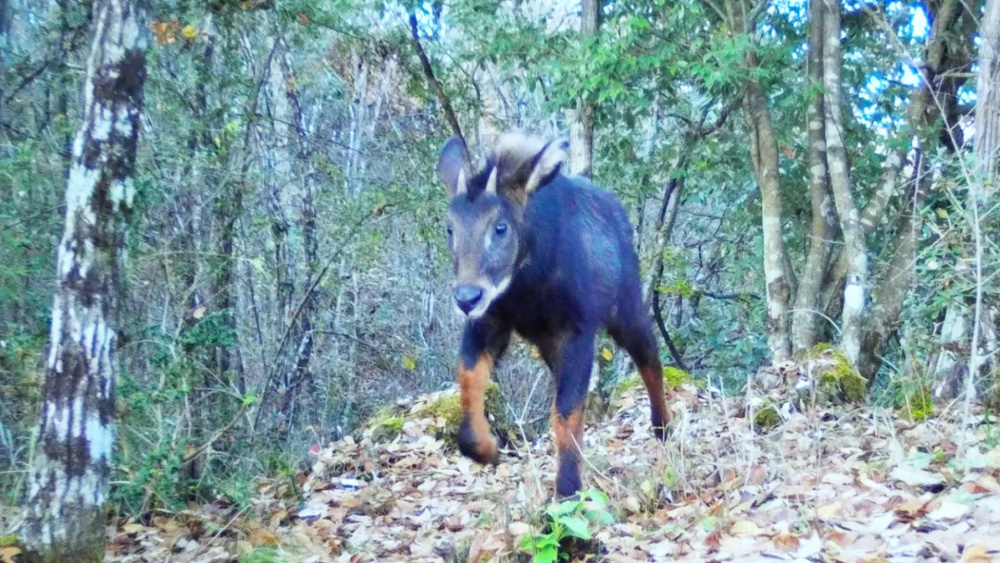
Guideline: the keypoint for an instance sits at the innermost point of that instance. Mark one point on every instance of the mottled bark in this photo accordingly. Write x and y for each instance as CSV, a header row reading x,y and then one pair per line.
x,y
987,142
807,313
581,134
764,160
896,282
853,316
68,478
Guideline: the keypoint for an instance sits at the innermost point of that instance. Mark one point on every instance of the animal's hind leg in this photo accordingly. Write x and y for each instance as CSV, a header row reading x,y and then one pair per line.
x,y
634,332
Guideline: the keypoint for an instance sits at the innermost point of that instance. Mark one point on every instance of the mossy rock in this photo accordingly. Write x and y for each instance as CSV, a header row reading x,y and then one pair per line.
x,y
843,379
385,424
837,379
438,414
766,415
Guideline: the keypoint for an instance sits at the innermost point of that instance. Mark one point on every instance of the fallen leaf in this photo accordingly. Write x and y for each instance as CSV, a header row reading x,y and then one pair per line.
x,y
916,477
949,510
746,528
828,511
976,554
263,536
786,542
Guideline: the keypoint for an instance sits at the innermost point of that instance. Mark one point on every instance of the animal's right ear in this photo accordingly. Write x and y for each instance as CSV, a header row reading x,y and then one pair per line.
x,y
453,166
546,164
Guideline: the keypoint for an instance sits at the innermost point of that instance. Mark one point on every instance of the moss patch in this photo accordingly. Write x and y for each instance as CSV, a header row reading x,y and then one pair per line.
x,y
766,415
919,405
675,377
837,379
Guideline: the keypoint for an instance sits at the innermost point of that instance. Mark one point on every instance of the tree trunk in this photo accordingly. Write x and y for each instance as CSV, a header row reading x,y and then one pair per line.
x,y
806,316
852,320
898,278
987,140
764,159
68,479
581,136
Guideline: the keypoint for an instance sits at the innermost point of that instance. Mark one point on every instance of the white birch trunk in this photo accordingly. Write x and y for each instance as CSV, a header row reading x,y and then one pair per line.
x,y
840,182
69,474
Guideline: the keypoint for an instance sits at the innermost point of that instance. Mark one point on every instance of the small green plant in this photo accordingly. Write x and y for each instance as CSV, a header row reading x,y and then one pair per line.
x,y
675,377
568,519
918,405
262,555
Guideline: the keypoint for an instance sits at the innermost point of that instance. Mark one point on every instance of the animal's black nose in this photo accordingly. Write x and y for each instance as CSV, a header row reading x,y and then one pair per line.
x,y
467,296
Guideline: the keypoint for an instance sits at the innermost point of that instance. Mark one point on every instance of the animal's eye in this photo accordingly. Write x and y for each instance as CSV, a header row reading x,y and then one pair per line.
x,y
501,228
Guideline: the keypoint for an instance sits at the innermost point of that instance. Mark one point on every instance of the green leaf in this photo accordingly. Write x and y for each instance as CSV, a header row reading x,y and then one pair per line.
x,y
547,555
576,526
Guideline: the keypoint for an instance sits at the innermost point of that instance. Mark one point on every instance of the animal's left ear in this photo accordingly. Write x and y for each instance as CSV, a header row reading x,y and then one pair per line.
x,y
453,167
545,165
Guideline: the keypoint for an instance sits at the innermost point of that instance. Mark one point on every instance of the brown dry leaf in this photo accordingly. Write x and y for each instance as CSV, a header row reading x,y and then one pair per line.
x,y
786,542
989,483
713,540
8,553
276,519
840,538
263,536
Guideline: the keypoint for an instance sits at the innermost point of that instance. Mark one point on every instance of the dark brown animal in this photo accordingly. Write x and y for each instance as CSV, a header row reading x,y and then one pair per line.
x,y
551,257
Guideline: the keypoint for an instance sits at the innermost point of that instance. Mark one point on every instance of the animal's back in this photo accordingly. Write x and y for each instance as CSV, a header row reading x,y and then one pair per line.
x,y
581,248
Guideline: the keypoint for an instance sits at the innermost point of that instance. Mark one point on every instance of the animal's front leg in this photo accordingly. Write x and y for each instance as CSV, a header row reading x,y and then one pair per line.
x,y
573,376
481,344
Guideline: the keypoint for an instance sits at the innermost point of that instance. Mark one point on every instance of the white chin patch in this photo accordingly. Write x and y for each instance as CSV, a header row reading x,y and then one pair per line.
x,y
490,294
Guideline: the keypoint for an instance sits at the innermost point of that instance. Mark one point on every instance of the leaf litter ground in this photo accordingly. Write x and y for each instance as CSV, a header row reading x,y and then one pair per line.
x,y
832,484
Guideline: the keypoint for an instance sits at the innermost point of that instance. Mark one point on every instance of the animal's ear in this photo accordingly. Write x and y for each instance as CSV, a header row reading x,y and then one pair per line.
x,y
453,166
546,164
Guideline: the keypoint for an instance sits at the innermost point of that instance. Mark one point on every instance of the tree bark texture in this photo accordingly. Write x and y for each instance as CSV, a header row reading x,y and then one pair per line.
x,y
853,316
987,140
764,160
68,479
898,278
581,145
806,315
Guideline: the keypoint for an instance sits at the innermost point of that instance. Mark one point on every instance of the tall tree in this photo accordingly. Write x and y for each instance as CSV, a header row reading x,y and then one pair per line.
x,y
581,143
840,184
806,315
987,141
69,474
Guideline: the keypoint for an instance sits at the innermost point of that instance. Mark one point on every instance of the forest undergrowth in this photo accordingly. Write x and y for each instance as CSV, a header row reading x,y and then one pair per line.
x,y
821,483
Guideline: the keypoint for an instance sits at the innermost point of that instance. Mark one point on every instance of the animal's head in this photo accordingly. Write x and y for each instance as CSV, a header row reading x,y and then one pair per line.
x,y
486,212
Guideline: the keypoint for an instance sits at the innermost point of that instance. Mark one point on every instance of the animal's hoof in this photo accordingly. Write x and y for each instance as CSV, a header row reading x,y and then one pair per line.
x,y
661,432
481,449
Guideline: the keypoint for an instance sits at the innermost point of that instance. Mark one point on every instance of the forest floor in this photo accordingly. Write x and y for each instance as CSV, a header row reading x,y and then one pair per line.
x,y
833,484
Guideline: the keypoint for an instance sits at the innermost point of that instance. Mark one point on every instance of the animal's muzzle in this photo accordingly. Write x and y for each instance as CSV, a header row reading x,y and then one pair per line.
x,y
467,296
